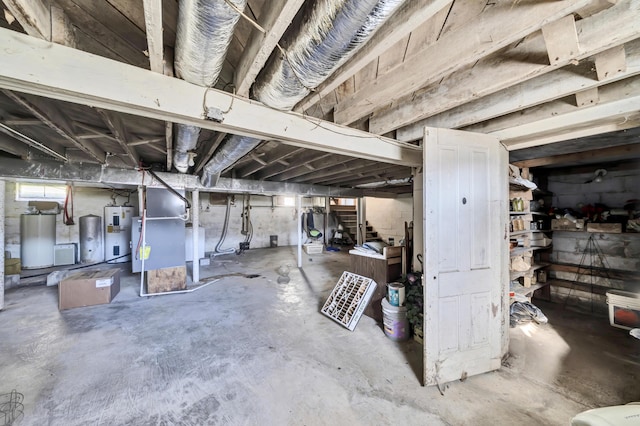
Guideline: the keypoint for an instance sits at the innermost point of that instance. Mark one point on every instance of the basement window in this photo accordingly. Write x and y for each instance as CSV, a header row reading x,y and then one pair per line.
x,y
38,192
284,201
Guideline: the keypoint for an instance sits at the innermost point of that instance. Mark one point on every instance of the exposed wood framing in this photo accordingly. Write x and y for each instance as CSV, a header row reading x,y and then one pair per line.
x,y
492,31
118,130
602,155
511,68
8,144
56,153
33,15
54,119
410,16
274,19
276,155
153,25
137,91
62,32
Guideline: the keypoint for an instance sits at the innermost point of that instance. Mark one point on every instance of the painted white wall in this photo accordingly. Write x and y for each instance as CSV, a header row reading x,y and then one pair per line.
x,y
86,201
267,221
615,189
388,215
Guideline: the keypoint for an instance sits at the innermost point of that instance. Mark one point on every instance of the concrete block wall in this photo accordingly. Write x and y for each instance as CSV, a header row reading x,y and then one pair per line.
x,y
620,252
388,215
615,189
266,221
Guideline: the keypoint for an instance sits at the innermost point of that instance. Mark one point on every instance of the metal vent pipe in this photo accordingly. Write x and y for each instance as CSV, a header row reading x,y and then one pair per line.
x,y
331,31
205,29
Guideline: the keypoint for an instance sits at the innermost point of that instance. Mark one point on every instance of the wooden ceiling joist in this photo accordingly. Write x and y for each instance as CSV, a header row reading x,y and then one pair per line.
x,y
602,155
119,132
33,15
506,69
493,30
275,156
410,16
54,119
548,87
153,25
156,96
274,19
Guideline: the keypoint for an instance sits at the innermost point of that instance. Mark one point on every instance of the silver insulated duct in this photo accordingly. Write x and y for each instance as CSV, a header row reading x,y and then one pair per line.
x,y
204,32
331,31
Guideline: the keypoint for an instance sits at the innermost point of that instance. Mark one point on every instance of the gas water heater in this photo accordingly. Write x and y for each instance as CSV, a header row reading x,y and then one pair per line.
x,y
117,233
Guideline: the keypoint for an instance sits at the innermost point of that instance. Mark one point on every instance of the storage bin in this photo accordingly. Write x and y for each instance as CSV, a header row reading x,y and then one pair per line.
x,y
624,309
313,248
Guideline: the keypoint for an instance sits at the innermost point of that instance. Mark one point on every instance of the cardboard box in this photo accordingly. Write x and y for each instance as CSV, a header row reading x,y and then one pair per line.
x,y
88,288
567,225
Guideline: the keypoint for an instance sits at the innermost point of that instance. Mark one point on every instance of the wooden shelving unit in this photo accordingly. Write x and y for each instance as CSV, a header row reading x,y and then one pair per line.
x,y
521,233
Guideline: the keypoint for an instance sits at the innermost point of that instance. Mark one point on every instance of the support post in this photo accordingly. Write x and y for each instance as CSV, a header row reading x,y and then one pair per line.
x,y
2,187
299,226
195,220
326,220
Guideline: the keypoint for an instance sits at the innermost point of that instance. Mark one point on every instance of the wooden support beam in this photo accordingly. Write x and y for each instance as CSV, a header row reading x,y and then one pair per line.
x,y
561,39
349,166
312,167
33,15
136,91
153,25
54,119
624,90
118,130
505,78
275,19
145,141
409,17
545,88
62,31
502,25
22,122
603,155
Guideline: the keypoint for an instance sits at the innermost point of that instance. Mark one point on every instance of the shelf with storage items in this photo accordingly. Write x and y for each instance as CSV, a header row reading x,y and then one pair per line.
x,y
527,236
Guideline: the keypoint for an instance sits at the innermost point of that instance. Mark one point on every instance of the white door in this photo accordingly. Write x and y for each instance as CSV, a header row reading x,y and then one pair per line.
x,y
466,254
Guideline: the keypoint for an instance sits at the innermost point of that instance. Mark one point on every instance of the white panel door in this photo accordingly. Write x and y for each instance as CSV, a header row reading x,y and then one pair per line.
x,y
465,273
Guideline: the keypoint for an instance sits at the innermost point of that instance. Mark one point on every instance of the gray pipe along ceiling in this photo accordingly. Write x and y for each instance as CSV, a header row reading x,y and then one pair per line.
x,y
329,33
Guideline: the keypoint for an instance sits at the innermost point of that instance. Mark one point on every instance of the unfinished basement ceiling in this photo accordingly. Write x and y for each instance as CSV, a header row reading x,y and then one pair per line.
x,y
534,74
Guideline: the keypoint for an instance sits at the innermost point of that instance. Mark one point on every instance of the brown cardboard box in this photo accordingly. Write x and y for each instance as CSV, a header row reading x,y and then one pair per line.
x,y
88,288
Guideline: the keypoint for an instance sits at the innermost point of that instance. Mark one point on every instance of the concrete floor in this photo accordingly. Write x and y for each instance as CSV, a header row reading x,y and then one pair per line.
x,y
246,351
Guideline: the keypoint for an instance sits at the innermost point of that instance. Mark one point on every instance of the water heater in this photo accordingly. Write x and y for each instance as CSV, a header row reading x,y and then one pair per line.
x,y
117,233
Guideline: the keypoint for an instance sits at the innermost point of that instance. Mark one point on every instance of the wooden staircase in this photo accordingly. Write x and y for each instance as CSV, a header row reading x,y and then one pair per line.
x,y
347,216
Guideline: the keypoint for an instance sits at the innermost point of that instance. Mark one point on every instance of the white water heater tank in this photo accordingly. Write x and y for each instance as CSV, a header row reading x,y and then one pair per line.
x,y
37,238
117,233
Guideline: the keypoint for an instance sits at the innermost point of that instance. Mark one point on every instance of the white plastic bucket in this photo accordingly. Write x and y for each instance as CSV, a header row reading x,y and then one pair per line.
x,y
394,321
624,309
